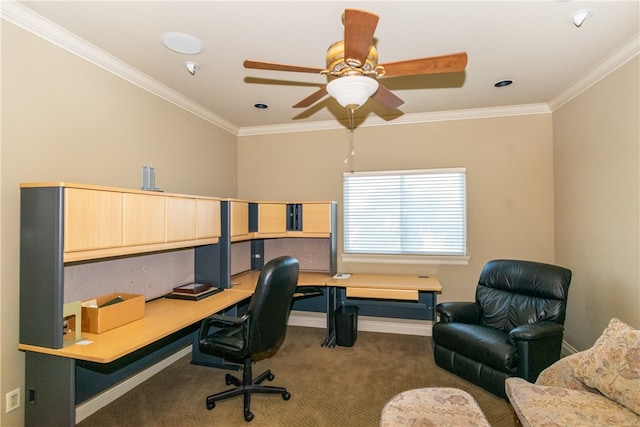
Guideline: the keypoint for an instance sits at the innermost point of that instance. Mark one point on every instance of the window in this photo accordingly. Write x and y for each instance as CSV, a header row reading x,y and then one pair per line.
x,y
415,212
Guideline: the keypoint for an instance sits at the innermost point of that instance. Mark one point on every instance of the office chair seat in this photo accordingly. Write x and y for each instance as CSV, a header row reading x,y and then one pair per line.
x,y
256,335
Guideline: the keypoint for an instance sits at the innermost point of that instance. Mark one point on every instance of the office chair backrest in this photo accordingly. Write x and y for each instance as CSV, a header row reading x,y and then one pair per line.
x,y
270,304
511,293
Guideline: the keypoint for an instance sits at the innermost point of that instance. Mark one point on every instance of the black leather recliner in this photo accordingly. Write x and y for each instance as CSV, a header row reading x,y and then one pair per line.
x,y
514,327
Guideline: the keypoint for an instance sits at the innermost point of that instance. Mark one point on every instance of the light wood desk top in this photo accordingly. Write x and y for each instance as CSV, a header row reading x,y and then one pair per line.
x,y
162,318
384,281
166,316
247,281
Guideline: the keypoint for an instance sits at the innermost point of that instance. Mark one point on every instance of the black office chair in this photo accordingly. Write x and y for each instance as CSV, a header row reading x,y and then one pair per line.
x,y
257,334
514,327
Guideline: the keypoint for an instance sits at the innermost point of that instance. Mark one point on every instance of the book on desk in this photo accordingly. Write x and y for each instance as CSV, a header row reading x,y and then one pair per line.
x,y
194,291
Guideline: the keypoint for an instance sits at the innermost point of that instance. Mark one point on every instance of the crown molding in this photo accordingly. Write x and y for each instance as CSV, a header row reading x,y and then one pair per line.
x,y
611,63
37,25
24,18
435,116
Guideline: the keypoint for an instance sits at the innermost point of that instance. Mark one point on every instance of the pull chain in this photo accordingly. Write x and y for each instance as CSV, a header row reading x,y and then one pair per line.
x,y
352,149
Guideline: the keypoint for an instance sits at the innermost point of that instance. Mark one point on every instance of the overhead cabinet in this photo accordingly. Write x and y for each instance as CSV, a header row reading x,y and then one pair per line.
x,y
310,219
145,217
102,222
272,219
92,219
207,219
251,220
239,220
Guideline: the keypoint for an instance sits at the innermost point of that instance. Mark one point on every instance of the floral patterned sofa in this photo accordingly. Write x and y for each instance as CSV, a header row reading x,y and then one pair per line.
x,y
596,387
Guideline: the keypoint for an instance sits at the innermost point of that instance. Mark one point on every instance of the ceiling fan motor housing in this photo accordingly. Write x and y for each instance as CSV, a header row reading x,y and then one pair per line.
x,y
338,65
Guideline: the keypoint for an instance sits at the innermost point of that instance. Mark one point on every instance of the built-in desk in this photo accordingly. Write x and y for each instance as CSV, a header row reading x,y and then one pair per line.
x,y
53,371
420,290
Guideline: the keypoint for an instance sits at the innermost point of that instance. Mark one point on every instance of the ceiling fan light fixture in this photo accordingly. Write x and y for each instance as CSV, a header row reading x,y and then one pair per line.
x,y
352,91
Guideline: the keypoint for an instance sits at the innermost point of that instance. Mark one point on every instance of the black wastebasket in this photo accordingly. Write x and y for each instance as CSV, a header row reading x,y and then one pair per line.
x,y
346,317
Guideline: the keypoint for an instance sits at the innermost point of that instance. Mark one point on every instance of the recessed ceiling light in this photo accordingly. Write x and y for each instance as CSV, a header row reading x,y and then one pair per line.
x,y
182,43
503,83
261,106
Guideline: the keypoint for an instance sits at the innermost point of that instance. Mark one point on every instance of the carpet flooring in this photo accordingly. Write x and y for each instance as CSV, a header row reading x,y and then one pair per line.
x,y
343,386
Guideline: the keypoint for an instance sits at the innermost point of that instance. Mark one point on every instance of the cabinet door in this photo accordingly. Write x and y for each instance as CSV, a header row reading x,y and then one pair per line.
x,y
181,219
144,219
272,218
208,218
239,218
92,219
316,218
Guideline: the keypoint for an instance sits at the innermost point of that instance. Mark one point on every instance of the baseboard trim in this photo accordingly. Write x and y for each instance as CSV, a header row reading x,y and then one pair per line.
x,y
93,405
567,349
366,323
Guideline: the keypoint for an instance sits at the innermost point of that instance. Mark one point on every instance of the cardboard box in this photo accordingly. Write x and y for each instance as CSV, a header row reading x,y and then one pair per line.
x,y
97,319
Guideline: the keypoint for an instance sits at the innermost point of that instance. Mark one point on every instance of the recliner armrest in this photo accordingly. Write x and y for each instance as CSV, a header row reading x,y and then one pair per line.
x,y
536,331
461,312
539,345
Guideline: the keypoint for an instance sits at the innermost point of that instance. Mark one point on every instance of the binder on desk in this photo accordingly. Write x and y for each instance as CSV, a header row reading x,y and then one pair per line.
x,y
193,288
194,291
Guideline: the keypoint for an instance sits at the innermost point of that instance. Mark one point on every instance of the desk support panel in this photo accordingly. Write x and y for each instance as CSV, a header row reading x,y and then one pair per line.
x,y
49,390
93,378
330,338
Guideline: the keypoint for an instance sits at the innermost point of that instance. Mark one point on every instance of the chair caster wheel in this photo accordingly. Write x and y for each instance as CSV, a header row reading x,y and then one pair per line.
x,y
211,405
248,416
286,395
227,379
270,377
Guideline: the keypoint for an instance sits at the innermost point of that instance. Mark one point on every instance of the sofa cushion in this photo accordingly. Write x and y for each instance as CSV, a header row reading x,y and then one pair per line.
x,y
545,406
612,365
561,374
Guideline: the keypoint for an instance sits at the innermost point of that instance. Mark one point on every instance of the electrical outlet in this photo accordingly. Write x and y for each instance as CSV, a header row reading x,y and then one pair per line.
x,y
13,400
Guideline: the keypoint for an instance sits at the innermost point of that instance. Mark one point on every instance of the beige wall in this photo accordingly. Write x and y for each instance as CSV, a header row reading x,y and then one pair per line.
x,y
509,165
64,119
597,170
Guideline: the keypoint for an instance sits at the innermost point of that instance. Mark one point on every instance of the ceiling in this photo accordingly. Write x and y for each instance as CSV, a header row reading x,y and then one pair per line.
x,y
531,42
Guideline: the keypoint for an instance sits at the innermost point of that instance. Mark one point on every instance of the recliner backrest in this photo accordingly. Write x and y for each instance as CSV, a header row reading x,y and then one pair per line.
x,y
511,293
270,304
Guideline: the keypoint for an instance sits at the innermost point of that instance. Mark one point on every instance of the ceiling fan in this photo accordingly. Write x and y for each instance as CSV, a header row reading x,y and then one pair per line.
x,y
352,65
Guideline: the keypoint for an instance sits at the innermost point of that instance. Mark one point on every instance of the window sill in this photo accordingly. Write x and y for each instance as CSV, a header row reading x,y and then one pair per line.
x,y
405,259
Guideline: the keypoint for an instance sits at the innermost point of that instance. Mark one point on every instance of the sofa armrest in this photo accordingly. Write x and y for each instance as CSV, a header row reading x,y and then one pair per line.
x,y
538,405
461,312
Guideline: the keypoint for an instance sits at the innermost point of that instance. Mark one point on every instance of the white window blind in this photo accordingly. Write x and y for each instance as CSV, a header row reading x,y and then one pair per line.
x,y
418,212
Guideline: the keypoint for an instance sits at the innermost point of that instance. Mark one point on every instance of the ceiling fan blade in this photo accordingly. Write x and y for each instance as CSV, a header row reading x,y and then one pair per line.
x,y
359,27
432,65
386,98
315,96
280,67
